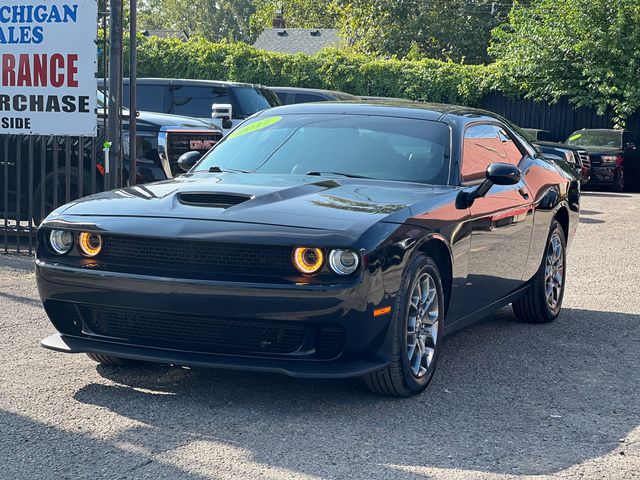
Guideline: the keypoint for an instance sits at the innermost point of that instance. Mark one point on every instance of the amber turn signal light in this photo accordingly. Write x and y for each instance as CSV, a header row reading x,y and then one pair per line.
x,y
90,244
308,260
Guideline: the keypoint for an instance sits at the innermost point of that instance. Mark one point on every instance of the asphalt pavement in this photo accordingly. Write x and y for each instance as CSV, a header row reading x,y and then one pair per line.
x,y
509,401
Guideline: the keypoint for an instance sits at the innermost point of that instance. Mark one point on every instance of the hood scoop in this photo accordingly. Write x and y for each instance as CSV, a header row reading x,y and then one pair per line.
x,y
214,200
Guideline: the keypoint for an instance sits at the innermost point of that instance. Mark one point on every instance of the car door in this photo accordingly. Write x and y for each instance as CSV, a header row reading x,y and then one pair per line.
x,y
631,150
501,222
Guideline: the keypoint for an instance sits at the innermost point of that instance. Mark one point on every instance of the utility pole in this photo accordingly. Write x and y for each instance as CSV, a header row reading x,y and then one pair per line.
x,y
115,94
133,75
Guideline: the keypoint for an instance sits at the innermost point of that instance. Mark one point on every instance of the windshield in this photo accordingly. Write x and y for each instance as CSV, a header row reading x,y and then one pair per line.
x,y
596,138
253,100
376,147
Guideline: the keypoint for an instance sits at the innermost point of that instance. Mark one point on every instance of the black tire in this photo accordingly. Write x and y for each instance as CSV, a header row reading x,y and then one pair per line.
x,y
103,359
534,307
619,182
397,379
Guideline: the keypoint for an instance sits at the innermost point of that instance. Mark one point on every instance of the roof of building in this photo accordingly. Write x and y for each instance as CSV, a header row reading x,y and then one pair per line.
x,y
297,40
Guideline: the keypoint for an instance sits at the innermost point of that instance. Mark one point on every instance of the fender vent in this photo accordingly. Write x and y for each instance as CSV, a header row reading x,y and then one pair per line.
x,y
215,200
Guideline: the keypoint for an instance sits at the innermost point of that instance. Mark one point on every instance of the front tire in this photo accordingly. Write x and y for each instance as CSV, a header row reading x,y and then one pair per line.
x,y
619,181
415,328
543,300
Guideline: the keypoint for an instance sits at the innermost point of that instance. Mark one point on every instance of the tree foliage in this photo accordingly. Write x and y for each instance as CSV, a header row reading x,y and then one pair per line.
x,y
214,20
359,74
584,49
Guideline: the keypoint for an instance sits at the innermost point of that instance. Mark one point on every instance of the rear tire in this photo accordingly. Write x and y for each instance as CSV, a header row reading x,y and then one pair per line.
x,y
415,330
543,300
103,359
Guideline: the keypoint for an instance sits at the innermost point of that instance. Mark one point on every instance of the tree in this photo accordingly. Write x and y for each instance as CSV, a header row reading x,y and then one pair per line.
x,y
586,50
297,13
457,30
214,20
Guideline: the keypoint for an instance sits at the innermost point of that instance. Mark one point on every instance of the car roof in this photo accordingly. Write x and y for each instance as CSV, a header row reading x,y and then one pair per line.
x,y
334,93
395,108
189,81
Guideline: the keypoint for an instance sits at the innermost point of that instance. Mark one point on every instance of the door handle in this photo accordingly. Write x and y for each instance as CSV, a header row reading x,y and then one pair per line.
x,y
523,192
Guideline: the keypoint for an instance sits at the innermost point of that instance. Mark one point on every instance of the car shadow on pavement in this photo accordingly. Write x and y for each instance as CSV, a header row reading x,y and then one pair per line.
x,y
507,398
65,454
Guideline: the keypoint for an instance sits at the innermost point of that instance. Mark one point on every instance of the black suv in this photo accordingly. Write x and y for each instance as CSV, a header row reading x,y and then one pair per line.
x,y
39,173
576,157
614,154
207,100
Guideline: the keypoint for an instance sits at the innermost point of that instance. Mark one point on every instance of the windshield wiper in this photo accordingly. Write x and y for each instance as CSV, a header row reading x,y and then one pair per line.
x,y
217,169
348,175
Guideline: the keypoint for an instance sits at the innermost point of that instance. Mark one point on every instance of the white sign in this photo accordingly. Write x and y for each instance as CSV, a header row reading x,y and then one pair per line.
x,y
47,67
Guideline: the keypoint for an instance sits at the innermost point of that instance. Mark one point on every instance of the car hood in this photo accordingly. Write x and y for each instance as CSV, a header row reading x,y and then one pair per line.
x,y
333,203
602,150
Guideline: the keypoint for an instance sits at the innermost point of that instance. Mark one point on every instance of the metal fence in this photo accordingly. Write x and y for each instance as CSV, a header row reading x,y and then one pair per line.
x,y
38,174
560,118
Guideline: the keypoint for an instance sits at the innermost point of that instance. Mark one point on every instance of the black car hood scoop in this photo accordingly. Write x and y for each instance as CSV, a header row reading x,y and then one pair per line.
x,y
212,199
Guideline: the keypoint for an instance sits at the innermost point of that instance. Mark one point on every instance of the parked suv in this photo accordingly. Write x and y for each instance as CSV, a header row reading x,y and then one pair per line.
x,y
224,104
614,154
576,157
40,173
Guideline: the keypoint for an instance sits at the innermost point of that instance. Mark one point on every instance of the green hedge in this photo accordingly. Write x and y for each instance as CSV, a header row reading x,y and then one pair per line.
x,y
428,80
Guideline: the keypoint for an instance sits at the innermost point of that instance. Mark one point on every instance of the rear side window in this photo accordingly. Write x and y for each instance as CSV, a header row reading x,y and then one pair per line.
x,y
483,145
309,97
196,101
252,100
150,98
545,136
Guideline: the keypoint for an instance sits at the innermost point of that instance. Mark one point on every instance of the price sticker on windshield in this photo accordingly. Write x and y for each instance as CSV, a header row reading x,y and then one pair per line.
x,y
255,126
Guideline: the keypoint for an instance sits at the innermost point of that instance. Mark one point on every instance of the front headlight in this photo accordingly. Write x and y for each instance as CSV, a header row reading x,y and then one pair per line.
x,y
308,260
609,158
61,241
568,156
90,243
343,262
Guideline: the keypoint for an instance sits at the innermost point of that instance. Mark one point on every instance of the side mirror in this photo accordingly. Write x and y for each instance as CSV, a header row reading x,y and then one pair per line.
x,y
222,113
188,160
496,174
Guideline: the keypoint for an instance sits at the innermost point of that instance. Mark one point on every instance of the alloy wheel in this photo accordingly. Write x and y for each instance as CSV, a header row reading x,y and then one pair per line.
x,y
422,325
554,271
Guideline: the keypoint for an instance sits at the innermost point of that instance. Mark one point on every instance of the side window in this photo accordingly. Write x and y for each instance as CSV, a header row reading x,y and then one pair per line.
x,y
283,97
309,97
485,144
150,98
197,101
512,153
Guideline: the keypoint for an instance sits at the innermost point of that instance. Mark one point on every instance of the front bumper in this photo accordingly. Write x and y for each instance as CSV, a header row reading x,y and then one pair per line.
x,y
602,175
364,344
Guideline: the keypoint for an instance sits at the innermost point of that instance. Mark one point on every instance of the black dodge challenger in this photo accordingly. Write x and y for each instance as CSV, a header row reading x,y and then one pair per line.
x,y
316,240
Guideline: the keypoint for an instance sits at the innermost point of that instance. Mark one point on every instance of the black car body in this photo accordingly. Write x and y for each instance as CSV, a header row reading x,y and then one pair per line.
x,y
197,98
614,155
206,269
293,95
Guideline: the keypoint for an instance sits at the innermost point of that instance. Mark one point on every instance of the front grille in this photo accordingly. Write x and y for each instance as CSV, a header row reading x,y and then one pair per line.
x,y
194,332
217,200
196,255
584,158
183,142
